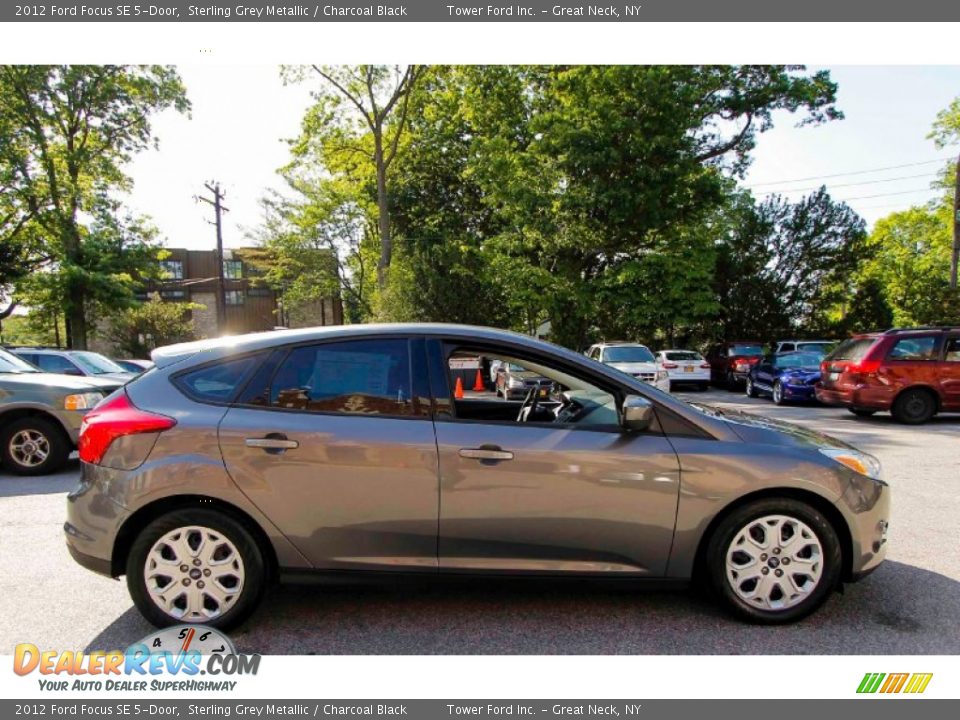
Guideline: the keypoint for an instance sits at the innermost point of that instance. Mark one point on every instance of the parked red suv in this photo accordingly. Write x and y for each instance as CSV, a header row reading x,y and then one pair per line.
x,y
731,361
912,372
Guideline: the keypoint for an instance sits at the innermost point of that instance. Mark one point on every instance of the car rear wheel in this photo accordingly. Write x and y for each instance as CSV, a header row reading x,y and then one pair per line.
x,y
34,446
774,560
196,566
862,412
914,407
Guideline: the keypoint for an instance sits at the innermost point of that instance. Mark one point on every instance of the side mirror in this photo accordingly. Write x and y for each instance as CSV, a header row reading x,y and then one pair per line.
x,y
637,413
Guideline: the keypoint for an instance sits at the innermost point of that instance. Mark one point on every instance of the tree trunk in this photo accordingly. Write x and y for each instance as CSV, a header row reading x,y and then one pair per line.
x,y
74,311
383,212
955,255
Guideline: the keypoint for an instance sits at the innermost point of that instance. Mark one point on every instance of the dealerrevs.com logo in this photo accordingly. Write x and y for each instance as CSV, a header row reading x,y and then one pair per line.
x,y
911,683
170,659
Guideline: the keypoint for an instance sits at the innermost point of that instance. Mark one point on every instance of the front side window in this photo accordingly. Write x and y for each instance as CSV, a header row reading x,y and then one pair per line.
x,y
56,364
914,348
357,377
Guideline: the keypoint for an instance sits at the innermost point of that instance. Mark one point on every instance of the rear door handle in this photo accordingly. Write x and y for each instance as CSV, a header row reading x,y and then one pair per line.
x,y
486,453
275,443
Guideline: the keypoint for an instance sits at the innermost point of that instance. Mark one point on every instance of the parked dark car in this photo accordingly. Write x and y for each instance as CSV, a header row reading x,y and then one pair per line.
x,y
344,449
912,372
785,376
731,361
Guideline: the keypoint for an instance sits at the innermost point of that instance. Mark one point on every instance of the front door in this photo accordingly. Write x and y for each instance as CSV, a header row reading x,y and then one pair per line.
x,y
554,493
334,443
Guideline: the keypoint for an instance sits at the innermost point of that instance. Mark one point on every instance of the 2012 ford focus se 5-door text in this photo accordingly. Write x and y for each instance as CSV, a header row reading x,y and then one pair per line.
x,y
336,450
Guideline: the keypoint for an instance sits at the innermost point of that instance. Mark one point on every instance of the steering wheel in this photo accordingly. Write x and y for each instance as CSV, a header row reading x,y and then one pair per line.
x,y
529,405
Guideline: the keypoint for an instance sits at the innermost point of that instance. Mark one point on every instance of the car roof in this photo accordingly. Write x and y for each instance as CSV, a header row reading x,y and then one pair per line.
x,y
251,342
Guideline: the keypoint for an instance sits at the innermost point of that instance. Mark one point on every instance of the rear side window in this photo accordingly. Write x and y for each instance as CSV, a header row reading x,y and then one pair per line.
x,y
219,382
358,377
852,349
914,348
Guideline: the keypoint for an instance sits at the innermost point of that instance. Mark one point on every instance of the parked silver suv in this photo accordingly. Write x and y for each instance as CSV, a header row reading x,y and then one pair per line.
x,y
40,414
344,449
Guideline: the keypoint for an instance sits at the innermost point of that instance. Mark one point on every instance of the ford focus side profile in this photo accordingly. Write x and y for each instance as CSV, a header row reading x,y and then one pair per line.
x,y
343,450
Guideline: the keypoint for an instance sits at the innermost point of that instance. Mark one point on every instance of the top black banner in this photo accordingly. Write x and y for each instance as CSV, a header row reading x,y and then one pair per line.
x,y
454,11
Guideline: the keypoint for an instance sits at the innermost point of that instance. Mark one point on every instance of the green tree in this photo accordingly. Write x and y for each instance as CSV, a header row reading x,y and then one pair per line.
x,y
946,132
909,255
362,111
136,331
74,128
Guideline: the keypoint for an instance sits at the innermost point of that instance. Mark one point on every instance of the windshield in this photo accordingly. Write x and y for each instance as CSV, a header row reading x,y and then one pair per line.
x,y
631,353
10,363
821,348
683,355
95,363
799,359
745,349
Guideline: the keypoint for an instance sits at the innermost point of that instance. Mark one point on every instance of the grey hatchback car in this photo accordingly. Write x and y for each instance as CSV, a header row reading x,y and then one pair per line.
x,y
343,450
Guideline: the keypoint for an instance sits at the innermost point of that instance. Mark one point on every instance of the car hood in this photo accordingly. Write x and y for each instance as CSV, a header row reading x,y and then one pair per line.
x,y
634,367
59,381
799,371
753,428
526,375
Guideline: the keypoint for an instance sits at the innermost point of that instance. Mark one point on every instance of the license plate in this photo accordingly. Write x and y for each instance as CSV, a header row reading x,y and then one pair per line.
x,y
688,368
544,392
833,377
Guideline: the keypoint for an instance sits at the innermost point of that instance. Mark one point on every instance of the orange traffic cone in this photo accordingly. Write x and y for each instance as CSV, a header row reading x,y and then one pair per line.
x,y
458,390
478,385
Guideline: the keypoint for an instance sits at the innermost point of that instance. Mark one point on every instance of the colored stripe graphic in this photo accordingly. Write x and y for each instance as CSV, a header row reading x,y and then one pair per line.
x,y
870,682
894,683
918,682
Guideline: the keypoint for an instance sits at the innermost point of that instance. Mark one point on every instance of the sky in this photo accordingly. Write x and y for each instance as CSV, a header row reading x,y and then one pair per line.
x,y
879,154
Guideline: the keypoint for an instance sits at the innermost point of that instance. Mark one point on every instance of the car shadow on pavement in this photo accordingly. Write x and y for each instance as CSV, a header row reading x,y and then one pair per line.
x,y
900,609
61,482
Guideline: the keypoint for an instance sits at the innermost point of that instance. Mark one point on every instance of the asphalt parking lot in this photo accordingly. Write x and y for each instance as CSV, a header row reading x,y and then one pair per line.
x,y
909,606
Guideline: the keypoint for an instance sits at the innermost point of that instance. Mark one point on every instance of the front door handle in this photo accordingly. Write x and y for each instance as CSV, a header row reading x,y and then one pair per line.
x,y
272,443
486,453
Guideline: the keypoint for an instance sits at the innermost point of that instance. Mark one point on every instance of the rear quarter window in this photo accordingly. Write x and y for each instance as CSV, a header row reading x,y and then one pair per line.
x,y
218,382
852,349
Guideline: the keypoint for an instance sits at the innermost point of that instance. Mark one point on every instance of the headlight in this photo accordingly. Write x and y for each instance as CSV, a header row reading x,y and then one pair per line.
x,y
855,460
662,375
81,401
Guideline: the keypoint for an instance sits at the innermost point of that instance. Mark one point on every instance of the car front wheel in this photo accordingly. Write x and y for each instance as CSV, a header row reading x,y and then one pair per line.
x,y
196,566
774,561
778,393
34,446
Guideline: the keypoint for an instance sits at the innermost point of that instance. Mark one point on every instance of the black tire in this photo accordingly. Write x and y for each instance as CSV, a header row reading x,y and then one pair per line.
x,y
254,569
47,433
777,394
731,382
703,387
862,412
730,527
751,389
914,407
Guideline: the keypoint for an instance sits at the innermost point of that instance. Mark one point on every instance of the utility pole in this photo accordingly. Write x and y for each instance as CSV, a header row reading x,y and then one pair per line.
x,y
956,230
218,210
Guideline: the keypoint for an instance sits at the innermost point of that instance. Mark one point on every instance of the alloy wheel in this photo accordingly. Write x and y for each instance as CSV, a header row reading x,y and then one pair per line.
x,y
29,448
194,574
777,393
774,562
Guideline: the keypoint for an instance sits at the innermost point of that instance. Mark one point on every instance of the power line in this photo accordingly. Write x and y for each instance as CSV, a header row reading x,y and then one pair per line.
x,y
862,182
879,195
844,174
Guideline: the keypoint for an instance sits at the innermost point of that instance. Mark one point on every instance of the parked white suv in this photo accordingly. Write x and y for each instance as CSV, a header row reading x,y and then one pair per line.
x,y
634,359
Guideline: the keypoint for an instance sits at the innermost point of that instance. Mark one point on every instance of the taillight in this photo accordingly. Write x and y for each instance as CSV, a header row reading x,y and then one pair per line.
x,y
865,367
113,419
705,365
670,366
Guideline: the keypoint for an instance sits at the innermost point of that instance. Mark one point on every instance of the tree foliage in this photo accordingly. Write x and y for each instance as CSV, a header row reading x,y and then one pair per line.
x,y
67,131
136,331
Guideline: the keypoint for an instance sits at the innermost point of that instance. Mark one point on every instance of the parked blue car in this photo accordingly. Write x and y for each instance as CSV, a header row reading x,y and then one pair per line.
x,y
785,377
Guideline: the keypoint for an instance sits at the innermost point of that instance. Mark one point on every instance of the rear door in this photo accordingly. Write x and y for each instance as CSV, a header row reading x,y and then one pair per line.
x,y
950,373
334,442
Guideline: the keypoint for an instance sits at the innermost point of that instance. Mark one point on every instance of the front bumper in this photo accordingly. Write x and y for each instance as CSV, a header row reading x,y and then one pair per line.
x,y
867,505
799,392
